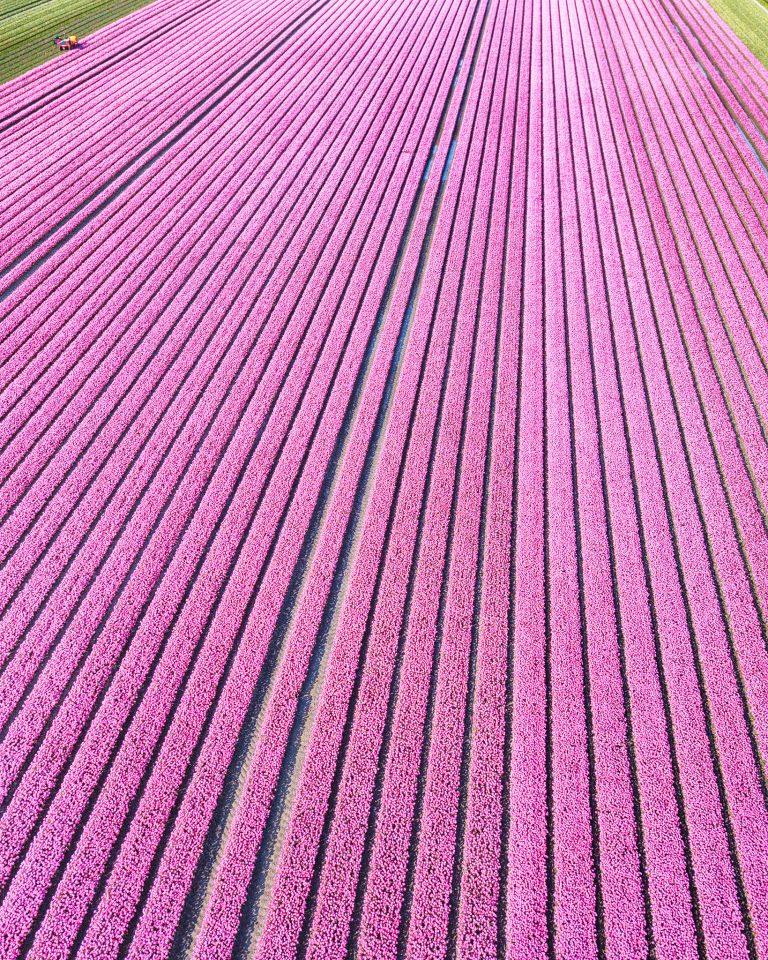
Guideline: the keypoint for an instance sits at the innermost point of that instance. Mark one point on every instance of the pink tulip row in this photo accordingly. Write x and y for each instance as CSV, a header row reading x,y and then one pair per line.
x,y
148,506
141,125
482,895
142,104
234,698
384,486
579,854
674,478
283,921
99,439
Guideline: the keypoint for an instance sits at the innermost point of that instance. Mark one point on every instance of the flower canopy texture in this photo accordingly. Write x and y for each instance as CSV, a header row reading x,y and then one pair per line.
x,y
384,485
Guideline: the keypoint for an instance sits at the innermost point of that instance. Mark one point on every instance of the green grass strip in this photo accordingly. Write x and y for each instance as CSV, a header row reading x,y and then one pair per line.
x,y
749,21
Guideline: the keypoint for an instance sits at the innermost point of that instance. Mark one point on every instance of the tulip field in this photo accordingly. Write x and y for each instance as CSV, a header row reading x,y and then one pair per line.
x,y
384,485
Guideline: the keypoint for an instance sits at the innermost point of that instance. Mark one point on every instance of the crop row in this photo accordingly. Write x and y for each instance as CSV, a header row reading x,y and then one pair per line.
x,y
384,485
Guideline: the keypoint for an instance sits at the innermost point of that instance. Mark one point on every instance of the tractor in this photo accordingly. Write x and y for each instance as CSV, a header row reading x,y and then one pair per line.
x,y
65,43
